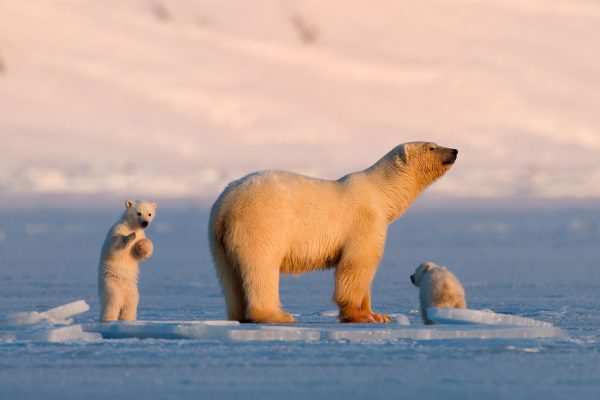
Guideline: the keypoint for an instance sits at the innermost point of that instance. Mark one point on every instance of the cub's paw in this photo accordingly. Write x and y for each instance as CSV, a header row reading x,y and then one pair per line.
x,y
142,249
130,238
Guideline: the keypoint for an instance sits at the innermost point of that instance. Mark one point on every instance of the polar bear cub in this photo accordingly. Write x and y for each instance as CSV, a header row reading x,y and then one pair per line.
x,y
438,287
124,247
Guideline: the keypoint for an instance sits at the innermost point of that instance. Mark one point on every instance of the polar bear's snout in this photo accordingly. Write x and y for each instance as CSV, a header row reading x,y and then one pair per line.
x,y
144,224
449,156
412,279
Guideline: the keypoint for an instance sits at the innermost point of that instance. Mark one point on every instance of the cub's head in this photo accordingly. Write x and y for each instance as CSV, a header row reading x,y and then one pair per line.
x,y
426,160
139,213
421,270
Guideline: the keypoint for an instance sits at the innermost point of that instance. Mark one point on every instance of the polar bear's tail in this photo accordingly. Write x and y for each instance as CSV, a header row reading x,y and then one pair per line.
x,y
227,266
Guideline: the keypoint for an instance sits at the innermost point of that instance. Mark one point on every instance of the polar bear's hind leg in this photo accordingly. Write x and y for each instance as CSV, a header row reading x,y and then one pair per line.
x,y
261,287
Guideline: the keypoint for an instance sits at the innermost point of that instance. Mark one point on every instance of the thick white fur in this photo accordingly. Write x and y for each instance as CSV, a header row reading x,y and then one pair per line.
x,y
438,287
125,245
274,222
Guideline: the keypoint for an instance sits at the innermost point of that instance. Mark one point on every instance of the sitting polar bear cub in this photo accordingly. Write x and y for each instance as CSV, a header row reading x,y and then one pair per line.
x,y
438,287
125,245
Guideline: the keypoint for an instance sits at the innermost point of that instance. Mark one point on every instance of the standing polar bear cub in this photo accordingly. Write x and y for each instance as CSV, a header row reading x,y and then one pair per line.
x,y
274,222
124,247
438,287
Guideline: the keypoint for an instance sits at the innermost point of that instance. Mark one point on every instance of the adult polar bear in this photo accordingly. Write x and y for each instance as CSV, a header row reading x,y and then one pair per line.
x,y
274,222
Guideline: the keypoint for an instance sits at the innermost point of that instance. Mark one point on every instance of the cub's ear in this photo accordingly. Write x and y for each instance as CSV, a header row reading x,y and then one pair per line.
x,y
153,204
129,203
428,265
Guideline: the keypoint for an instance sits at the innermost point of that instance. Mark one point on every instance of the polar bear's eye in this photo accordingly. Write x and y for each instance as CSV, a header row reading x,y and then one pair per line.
x,y
149,214
139,214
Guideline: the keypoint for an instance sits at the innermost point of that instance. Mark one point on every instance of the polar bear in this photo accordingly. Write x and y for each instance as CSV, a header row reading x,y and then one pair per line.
x,y
438,287
274,222
124,247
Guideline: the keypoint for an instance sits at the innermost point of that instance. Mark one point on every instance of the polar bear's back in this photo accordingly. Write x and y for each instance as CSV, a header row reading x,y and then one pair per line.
x,y
302,219
284,196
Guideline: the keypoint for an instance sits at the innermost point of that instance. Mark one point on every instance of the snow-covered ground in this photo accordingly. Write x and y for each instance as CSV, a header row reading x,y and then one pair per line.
x,y
539,264
172,99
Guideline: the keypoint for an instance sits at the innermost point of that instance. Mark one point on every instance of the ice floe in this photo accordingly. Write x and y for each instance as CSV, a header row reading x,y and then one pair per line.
x,y
208,330
57,315
484,317
53,325
440,332
56,325
226,331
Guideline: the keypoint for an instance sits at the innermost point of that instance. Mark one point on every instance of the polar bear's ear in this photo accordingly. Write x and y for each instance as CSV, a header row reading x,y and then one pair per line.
x,y
153,204
400,155
129,203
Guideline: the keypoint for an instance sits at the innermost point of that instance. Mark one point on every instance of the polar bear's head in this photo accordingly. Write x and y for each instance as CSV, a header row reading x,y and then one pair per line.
x,y
139,214
421,270
427,160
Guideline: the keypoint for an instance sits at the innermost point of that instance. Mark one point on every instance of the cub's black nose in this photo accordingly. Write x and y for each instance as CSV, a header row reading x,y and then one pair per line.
x,y
144,224
412,279
454,152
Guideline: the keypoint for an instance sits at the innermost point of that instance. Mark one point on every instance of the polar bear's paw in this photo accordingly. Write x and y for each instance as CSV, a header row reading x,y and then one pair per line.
x,y
142,249
381,318
359,316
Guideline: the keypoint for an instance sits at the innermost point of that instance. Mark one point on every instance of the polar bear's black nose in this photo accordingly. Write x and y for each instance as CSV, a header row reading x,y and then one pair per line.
x,y
144,224
412,279
450,156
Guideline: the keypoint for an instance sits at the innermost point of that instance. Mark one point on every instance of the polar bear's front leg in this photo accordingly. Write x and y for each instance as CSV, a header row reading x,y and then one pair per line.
x,y
348,295
142,249
353,277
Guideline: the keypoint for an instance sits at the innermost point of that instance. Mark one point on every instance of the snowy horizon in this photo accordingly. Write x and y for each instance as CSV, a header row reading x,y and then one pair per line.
x,y
173,99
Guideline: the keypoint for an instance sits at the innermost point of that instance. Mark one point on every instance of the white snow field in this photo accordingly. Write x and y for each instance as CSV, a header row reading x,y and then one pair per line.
x,y
174,98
